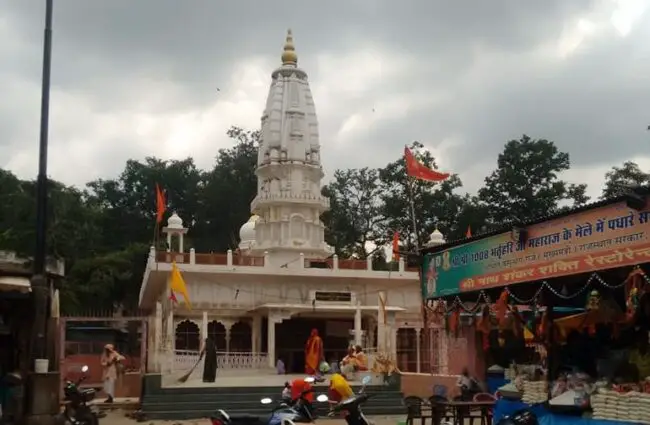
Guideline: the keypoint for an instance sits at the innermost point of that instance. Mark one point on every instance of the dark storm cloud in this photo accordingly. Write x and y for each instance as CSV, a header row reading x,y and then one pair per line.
x,y
485,59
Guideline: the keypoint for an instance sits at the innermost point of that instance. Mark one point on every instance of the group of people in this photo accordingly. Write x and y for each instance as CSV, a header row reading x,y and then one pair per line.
x,y
355,361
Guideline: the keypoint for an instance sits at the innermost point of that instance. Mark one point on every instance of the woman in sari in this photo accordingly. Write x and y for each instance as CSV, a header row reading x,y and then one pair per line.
x,y
313,353
210,364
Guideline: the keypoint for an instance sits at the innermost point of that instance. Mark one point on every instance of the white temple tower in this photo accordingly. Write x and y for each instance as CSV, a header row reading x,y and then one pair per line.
x,y
289,172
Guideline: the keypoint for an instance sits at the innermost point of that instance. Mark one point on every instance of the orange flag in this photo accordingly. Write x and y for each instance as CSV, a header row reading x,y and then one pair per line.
x,y
160,204
415,168
396,246
468,234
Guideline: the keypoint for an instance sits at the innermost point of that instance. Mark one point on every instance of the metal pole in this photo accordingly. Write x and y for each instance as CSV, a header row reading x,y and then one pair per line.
x,y
39,280
410,182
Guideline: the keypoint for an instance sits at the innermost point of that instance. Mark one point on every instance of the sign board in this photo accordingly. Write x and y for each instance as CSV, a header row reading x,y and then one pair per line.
x,y
599,239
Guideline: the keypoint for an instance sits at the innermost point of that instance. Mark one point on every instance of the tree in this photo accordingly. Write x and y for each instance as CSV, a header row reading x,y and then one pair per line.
x,y
72,226
107,282
227,193
128,203
354,211
526,185
619,179
435,204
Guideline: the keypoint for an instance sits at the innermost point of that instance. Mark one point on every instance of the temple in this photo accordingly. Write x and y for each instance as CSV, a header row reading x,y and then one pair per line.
x,y
260,302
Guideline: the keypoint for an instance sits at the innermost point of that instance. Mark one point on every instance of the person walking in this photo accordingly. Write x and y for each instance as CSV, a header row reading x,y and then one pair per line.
x,y
110,360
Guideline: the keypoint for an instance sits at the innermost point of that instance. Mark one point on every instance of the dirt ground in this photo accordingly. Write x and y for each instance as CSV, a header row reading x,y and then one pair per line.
x,y
117,418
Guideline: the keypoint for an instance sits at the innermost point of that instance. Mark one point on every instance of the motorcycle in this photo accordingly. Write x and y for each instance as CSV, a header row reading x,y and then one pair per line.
x,y
77,411
352,406
520,417
287,412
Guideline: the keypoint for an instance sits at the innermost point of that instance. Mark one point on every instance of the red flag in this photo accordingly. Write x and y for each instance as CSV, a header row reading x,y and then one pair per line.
x,y
415,168
173,298
468,234
396,246
160,204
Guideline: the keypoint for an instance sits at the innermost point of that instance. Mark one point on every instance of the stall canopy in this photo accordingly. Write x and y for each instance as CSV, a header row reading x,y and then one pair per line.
x,y
606,235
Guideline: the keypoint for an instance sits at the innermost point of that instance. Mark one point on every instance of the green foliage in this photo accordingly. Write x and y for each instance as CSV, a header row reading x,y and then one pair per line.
x,y
355,211
620,179
105,231
526,183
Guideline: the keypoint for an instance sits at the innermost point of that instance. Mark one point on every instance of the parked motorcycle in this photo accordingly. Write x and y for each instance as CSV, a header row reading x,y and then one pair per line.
x,y
352,406
287,412
77,411
521,417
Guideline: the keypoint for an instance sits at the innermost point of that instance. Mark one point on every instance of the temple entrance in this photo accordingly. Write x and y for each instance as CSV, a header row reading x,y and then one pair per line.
x,y
292,335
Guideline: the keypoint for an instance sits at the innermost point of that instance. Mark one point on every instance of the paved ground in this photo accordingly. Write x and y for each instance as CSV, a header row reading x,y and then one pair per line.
x,y
117,418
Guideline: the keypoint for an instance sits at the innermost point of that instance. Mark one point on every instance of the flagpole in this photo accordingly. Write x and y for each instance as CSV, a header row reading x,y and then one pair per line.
x,y
410,182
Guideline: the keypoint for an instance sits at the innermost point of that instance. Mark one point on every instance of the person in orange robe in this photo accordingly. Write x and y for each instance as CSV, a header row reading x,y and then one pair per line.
x,y
313,353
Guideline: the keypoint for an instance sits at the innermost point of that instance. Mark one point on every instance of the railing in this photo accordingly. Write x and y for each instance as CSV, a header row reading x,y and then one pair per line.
x,y
184,360
233,259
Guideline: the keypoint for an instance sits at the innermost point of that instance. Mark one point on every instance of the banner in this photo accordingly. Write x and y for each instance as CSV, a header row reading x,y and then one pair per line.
x,y
599,239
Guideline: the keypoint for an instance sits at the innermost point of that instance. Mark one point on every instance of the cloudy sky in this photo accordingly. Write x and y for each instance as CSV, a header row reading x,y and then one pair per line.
x,y
134,78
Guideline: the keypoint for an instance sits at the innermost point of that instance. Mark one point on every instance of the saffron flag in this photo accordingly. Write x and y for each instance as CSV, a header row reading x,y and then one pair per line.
x,y
160,204
416,169
177,286
468,234
172,297
396,246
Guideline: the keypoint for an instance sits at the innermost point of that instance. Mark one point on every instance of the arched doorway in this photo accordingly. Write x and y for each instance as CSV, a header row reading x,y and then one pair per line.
x,y
240,337
217,331
188,336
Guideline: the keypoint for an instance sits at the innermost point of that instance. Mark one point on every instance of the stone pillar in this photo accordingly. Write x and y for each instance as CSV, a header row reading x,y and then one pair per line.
x,y
370,340
228,325
392,334
271,340
180,243
171,339
381,324
256,335
204,327
169,242
417,349
357,325
155,343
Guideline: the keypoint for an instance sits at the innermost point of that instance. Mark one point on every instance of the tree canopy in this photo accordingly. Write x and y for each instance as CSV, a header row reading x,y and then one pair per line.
x,y
104,231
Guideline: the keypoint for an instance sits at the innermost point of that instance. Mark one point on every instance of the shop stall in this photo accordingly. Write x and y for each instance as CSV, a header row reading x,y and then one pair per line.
x,y
562,306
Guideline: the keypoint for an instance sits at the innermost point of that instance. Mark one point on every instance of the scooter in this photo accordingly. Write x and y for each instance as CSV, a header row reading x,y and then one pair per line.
x,y
352,406
77,411
295,411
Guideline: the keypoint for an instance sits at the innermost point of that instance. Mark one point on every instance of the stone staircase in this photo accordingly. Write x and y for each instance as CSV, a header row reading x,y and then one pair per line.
x,y
181,403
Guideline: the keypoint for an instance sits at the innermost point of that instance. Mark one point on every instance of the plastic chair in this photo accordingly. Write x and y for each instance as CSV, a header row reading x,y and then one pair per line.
x,y
486,412
413,406
440,410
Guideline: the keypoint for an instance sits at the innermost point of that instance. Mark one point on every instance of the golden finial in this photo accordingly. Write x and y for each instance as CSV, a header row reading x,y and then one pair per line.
x,y
289,56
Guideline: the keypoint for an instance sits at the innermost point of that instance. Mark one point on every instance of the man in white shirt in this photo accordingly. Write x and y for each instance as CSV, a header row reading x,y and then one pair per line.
x,y
468,385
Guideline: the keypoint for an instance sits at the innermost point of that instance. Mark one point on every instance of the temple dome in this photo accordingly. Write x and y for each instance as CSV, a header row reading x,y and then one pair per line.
x,y
247,230
175,222
436,238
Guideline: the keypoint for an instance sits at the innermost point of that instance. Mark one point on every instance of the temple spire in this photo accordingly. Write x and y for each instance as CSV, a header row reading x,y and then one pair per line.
x,y
289,56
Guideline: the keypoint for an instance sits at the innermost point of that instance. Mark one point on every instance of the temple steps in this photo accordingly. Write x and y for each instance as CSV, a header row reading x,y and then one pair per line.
x,y
200,402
